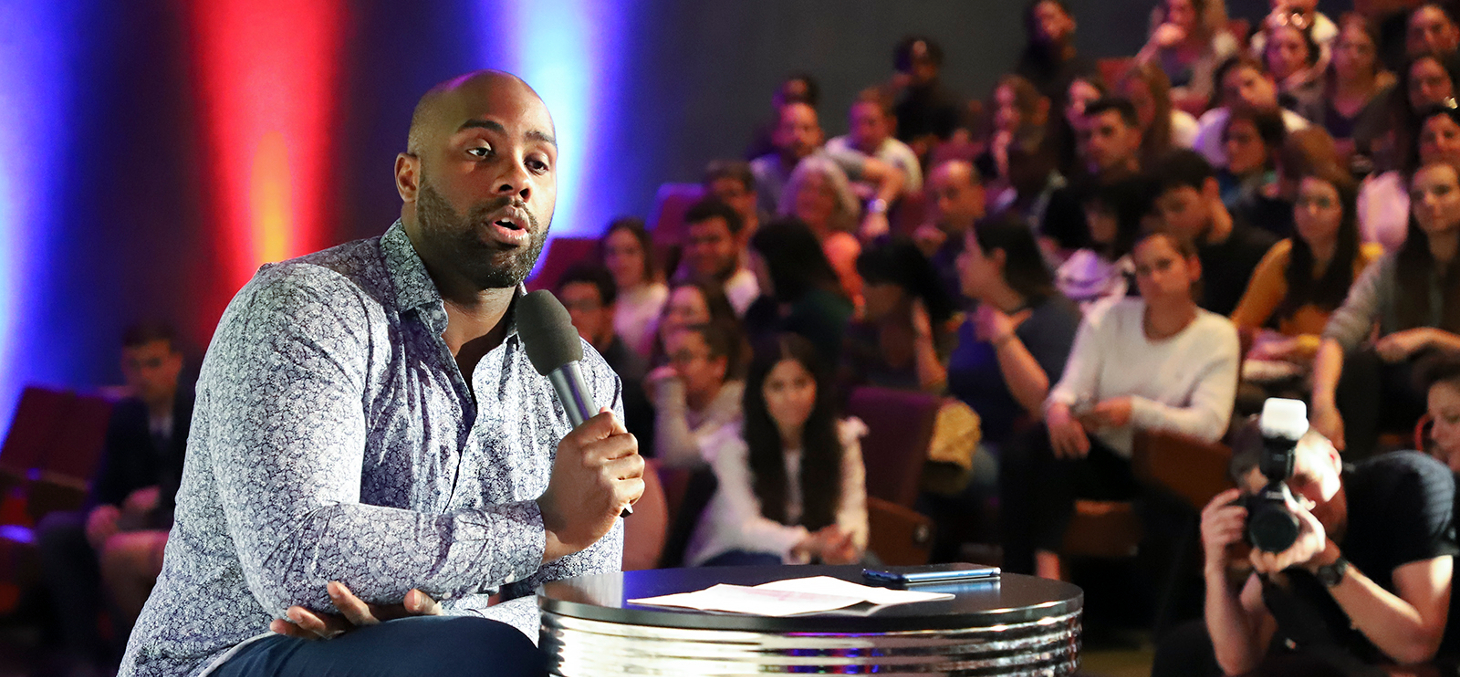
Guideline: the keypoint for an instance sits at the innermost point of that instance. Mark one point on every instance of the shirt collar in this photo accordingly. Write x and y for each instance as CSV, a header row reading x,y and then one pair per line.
x,y
414,288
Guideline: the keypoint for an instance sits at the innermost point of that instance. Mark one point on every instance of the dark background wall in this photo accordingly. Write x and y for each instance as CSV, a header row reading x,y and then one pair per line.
x,y
685,83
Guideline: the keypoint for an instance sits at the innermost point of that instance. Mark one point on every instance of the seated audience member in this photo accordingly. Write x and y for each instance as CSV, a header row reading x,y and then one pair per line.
x,y
109,555
712,252
872,124
1156,362
1110,139
903,338
1384,199
1101,274
1245,83
690,302
1038,194
628,254
1014,345
1163,126
1354,87
1188,40
733,183
697,392
1304,15
1431,29
1366,584
1050,61
792,487
1425,82
1293,59
1082,91
1252,140
1299,283
1440,377
959,200
818,195
591,297
796,88
1189,204
800,293
1270,206
799,137
1020,124
1412,295
927,111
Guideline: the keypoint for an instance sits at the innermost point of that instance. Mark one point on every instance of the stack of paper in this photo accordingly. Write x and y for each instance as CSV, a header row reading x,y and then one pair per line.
x,y
790,597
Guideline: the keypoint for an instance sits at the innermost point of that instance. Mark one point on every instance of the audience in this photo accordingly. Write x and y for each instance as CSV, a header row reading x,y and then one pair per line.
x,y
1300,14
697,392
1292,58
732,182
1014,345
1110,139
872,124
589,294
927,110
1252,140
1412,297
1354,86
1431,29
1163,126
1154,362
1050,61
1020,123
818,196
1101,274
1384,199
1299,283
108,555
800,293
712,252
628,254
1189,203
797,88
958,200
1245,83
1441,379
1424,82
903,339
791,482
798,137
689,302
1188,40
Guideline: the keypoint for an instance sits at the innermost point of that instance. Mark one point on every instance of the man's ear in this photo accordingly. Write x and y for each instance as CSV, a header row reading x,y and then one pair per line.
x,y
407,177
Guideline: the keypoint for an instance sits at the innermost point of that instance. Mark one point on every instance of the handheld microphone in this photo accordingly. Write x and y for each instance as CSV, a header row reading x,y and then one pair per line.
x,y
554,349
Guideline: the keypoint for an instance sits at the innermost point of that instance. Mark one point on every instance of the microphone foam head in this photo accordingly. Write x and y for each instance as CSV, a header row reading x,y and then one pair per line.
x,y
547,332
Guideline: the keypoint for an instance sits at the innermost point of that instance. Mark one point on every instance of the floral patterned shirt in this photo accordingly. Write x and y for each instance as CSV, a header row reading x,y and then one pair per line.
x,y
335,438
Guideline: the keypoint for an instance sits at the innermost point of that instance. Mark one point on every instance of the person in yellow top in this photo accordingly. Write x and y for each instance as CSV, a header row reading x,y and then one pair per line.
x,y
1296,286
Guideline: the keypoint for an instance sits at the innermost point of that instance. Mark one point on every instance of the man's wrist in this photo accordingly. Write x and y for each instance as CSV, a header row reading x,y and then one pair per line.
x,y
1329,555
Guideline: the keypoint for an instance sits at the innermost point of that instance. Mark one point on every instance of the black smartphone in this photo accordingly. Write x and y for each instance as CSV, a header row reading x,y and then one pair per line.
x,y
955,572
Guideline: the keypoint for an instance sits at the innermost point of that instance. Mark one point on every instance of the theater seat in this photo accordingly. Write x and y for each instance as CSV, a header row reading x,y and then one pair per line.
x,y
562,253
899,431
670,205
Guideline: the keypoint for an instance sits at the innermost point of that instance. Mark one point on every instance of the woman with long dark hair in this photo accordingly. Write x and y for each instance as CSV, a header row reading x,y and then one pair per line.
x,y
792,486
1384,199
1413,297
1163,126
1189,38
1102,273
1303,279
800,292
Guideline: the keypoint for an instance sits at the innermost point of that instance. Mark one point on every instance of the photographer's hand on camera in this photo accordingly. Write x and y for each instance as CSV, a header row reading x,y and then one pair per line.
x,y
1310,551
1223,524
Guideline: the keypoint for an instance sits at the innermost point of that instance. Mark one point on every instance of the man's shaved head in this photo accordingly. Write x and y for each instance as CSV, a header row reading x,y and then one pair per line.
x,y
439,101
479,179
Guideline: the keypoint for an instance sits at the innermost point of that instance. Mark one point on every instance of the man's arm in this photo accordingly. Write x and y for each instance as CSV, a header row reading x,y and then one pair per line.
x,y
286,443
1407,627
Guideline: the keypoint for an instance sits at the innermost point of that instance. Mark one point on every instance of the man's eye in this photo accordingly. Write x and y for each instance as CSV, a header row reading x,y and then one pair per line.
x,y
480,151
537,165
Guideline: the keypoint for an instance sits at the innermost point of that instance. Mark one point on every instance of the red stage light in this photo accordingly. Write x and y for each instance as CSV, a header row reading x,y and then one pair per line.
x,y
267,74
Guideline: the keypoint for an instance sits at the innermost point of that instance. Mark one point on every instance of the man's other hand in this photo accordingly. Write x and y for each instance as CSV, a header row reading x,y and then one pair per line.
x,y
354,613
596,473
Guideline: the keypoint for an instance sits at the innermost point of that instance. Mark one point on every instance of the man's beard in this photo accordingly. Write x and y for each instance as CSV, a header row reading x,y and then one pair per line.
x,y
478,261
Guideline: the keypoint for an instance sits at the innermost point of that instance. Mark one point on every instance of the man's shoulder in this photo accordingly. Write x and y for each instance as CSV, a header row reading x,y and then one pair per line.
x,y
1403,467
350,270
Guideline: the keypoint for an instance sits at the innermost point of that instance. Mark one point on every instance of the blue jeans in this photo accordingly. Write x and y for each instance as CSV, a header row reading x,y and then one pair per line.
x,y
421,645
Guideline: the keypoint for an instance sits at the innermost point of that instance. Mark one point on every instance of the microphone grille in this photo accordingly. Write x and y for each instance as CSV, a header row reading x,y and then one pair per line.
x,y
547,332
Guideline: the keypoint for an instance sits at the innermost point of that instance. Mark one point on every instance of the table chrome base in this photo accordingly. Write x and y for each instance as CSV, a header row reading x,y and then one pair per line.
x,y
575,646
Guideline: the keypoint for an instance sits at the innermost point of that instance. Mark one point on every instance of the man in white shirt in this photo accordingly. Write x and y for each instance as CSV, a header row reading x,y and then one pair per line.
x,y
872,123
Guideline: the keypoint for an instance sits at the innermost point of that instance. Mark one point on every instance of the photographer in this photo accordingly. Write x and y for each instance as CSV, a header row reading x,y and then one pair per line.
x,y
1366,583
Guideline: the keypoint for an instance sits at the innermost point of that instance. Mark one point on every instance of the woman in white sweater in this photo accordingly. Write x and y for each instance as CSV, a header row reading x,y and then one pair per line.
x,y
792,486
1156,362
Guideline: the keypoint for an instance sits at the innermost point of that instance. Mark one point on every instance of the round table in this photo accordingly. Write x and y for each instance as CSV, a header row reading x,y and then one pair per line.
x,y
1016,625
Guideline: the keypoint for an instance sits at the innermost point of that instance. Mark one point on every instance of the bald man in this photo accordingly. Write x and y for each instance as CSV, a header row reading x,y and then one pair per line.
x,y
958,201
372,455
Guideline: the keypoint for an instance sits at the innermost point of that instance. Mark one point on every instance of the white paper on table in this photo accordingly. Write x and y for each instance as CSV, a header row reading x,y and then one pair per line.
x,y
789,597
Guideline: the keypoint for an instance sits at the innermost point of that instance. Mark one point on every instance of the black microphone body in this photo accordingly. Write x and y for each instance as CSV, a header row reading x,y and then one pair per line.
x,y
553,347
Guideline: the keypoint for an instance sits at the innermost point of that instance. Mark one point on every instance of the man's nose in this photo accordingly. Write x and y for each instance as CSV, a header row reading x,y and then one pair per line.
x,y
516,180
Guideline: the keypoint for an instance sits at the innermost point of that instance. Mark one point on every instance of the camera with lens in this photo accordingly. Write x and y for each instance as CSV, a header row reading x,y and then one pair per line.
x,y
1271,526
